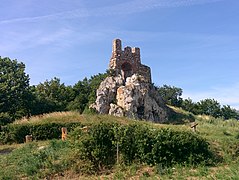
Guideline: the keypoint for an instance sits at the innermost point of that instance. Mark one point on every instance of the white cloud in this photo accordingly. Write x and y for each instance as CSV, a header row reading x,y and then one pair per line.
x,y
128,7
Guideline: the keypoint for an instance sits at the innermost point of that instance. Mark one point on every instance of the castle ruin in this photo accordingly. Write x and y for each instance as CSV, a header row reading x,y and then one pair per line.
x,y
127,62
128,91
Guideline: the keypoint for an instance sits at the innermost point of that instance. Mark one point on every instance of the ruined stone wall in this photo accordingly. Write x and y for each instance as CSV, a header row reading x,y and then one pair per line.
x,y
145,71
129,91
127,62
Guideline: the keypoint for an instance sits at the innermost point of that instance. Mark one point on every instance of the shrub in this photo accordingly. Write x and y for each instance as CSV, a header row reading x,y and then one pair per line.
x,y
15,133
179,147
5,118
166,146
139,143
96,146
127,144
136,143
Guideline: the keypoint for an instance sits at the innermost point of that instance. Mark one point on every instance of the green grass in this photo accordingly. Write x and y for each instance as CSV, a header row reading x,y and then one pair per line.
x,y
35,160
57,160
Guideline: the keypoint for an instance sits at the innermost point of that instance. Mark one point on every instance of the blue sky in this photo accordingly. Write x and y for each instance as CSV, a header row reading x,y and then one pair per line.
x,y
191,44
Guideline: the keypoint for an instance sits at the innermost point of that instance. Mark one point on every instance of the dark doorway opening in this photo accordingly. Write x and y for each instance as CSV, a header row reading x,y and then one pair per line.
x,y
127,70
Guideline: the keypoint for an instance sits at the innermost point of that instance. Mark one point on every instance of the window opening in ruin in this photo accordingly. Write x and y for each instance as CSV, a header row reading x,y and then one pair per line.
x,y
126,69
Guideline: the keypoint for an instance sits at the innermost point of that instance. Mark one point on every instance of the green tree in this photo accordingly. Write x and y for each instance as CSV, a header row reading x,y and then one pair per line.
x,y
81,92
188,105
85,92
14,89
209,107
229,113
171,95
51,96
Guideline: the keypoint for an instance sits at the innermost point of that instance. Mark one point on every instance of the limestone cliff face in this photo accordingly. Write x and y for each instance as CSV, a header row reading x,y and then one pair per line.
x,y
134,98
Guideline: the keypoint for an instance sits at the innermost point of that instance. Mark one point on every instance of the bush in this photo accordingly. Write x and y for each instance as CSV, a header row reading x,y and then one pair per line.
x,y
139,143
94,149
136,143
96,146
5,118
179,147
166,146
15,133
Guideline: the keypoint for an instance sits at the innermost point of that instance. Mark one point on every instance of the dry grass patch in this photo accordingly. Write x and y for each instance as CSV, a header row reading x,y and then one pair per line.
x,y
68,116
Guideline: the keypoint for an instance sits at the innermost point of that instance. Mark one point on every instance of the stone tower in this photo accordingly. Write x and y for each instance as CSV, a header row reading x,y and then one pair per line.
x,y
129,91
127,62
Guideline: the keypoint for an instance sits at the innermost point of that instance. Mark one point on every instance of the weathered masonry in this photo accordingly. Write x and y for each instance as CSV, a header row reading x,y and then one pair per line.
x,y
127,62
128,90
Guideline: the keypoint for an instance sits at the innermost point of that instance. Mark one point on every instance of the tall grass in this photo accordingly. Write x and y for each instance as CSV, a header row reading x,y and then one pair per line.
x,y
69,116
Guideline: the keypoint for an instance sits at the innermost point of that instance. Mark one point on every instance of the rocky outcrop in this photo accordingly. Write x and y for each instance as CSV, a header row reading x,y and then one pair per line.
x,y
106,94
136,98
130,92
116,110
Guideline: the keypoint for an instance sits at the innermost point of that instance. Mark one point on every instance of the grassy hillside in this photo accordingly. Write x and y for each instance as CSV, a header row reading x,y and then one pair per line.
x,y
58,160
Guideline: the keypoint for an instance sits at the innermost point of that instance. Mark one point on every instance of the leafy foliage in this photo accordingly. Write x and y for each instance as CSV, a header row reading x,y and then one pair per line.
x,y
189,105
50,96
81,93
14,85
85,93
64,160
139,143
136,143
97,145
227,112
18,99
210,107
5,118
163,146
15,133
171,95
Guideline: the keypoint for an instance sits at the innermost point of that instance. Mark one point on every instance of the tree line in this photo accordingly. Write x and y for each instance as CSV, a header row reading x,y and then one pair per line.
x,y
20,99
172,96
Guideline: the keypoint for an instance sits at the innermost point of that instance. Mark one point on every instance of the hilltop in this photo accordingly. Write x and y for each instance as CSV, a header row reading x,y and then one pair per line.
x,y
58,159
